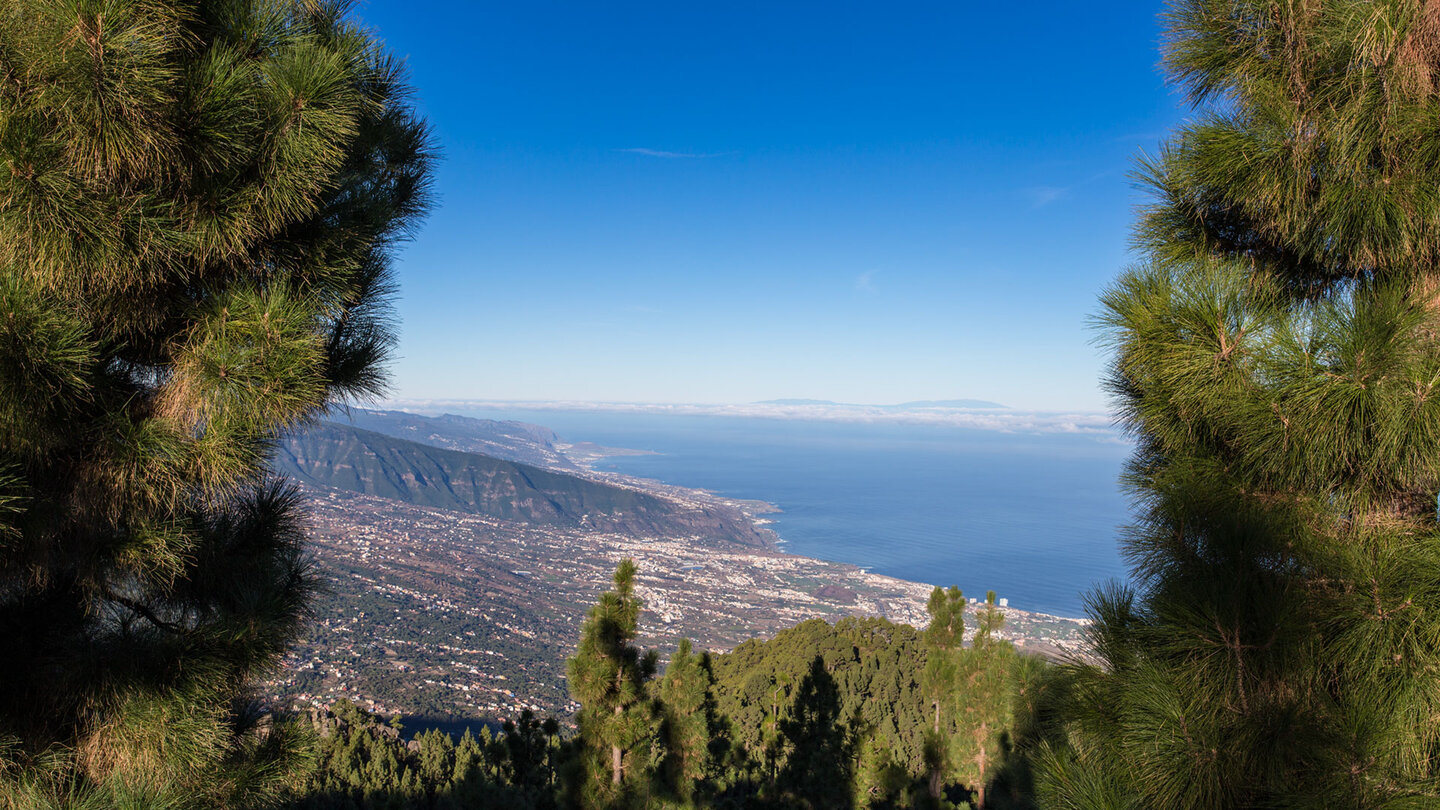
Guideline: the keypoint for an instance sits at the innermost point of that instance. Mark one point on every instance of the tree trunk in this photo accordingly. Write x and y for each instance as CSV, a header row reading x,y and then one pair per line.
x,y
615,755
937,716
981,759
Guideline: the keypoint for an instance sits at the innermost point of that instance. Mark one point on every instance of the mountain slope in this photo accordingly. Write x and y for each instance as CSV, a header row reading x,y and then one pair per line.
x,y
508,440
348,458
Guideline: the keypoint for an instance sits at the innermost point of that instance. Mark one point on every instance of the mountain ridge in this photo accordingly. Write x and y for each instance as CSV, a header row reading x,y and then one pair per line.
x,y
349,458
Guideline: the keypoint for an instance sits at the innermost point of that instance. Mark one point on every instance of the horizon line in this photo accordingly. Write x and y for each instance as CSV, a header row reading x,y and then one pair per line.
x,y
1098,424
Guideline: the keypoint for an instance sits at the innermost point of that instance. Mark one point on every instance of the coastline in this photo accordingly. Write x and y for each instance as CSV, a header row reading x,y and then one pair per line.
x,y
1053,636
750,510
477,614
1033,517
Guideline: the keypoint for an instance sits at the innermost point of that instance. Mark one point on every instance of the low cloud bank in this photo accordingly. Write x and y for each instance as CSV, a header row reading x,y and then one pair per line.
x,y
1099,425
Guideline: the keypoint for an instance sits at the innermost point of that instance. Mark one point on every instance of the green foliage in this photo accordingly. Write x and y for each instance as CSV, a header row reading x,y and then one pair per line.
x,y
618,719
196,214
819,769
946,630
943,637
821,716
366,764
882,719
687,706
988,620
1275,358
987,678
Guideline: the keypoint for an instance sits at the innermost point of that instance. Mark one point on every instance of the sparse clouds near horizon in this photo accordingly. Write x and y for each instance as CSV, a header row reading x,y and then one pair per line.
x,y
1099,425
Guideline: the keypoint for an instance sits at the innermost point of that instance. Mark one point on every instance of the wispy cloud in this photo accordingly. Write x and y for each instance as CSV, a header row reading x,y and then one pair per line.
x,y
865,282
1041,196
661,153
1099,426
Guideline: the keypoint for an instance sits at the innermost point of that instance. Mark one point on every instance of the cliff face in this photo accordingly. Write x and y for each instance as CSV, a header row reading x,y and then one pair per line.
x,y
344,457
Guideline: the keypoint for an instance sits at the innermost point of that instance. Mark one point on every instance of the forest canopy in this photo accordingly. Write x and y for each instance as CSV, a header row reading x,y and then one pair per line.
x,y
820,716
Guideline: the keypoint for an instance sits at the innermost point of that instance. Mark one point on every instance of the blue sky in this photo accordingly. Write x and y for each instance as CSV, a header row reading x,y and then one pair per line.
x,y
729,202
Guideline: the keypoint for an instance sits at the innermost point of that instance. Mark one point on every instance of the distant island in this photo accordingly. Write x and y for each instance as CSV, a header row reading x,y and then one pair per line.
x,y
975,404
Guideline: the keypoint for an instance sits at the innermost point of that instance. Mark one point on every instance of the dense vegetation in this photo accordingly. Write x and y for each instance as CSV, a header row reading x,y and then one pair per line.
x,y
853,714
1276,359
197,206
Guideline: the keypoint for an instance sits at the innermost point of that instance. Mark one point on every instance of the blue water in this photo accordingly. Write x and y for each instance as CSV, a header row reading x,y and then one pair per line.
x,y
1033,517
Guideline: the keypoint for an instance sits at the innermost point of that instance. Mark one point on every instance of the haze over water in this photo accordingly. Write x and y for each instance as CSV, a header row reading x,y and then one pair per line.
x,y
1033,517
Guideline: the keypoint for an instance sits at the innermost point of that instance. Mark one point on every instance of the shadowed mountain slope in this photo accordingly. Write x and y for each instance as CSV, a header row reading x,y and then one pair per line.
x,y
348,458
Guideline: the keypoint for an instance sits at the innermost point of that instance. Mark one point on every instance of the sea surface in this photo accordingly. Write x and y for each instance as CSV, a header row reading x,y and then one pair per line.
x,y
1033,517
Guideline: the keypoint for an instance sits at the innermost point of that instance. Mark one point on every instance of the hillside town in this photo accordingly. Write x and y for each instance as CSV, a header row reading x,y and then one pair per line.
x,y
439,614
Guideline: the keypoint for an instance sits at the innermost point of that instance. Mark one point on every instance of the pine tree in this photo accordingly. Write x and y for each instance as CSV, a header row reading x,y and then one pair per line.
x,y
608,676
469,757
196,208
943,639
988,620
688,710
527,751
879,779
1276,360
819,772
986,689
437,757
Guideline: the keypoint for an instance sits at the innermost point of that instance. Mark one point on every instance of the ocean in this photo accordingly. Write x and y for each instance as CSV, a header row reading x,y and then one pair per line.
x,y
1033,517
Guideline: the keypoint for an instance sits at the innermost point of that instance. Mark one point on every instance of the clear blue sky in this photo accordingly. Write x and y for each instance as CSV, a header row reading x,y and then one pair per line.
x,y
728,202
